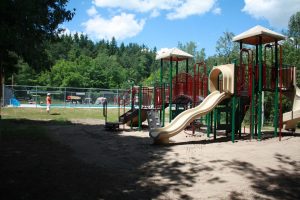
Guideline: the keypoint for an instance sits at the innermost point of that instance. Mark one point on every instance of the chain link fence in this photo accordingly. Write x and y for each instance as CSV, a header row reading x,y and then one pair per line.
x,y
65,97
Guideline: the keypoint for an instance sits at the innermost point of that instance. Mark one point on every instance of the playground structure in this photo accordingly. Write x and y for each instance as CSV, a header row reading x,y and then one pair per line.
x,y
214,98
241,89
133,104
235,89
183,91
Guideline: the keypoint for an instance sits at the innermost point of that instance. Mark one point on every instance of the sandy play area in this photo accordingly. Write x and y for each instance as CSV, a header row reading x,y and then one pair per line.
x,y
191,167
90,163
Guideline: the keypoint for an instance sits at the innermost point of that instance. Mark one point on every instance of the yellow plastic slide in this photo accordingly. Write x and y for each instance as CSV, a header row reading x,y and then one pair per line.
x,y
290,119
186,117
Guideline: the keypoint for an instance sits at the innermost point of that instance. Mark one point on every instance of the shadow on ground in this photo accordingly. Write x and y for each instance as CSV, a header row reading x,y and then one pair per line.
x,y
280,183
75,161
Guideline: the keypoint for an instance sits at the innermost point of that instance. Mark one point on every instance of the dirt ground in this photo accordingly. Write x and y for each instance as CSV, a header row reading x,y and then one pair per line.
x,y
83,161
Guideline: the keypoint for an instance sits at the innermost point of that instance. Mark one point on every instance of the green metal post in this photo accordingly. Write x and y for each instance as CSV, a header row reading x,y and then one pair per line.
x,y
211,122
170,91
176,89
119,100
239,97
176,67
215,122
160,83
132,103
253,102
153,97
208,124
227,119
163,104
186,71
239,116
187,66
276,91
208,115
140,107
233,106
256,89
260,66
233,118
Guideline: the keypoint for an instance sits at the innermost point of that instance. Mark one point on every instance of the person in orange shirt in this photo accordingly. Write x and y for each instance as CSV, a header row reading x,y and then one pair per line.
x,y
48,102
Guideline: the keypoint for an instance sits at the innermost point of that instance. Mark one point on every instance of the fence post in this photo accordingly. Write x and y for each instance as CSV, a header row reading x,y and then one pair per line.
x,y
89,96
118,99
65,96
140,106
35,96
3,95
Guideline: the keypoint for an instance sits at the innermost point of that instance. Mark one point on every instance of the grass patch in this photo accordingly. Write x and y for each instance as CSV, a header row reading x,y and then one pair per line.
x,y
58,114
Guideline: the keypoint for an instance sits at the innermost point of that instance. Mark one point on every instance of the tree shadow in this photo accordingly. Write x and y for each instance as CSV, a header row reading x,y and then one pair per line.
x,y
236,196
282,183
206,141
79,161
54,113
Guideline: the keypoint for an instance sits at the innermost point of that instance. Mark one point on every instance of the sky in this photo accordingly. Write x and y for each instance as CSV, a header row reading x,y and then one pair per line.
x,y
164,23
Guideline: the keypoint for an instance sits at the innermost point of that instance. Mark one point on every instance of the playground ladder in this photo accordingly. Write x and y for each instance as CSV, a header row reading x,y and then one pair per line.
x,y
153,119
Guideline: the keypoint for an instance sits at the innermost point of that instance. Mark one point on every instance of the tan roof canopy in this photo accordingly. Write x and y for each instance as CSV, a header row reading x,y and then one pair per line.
x,y
174,53
251,36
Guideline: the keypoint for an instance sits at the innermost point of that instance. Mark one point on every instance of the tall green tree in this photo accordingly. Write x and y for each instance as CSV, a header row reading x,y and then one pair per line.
x,y
25,24
192,48
291,46
26,75
294,29
226,49
189,47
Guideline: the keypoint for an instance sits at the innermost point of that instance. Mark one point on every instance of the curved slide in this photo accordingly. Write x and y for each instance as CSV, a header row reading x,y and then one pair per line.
x,y
290,119
208,104
186,117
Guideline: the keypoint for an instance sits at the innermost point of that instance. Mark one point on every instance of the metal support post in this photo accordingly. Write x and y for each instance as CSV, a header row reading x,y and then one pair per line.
x,y
163,103
252,126
233,106
260,66
208,124
276,91
140,107
215,111
160,83
65,97
170,91
132,103
35,96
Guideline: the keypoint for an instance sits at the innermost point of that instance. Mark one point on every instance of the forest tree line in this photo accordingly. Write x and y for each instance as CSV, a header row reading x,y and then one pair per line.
x,y
34,51
77,61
